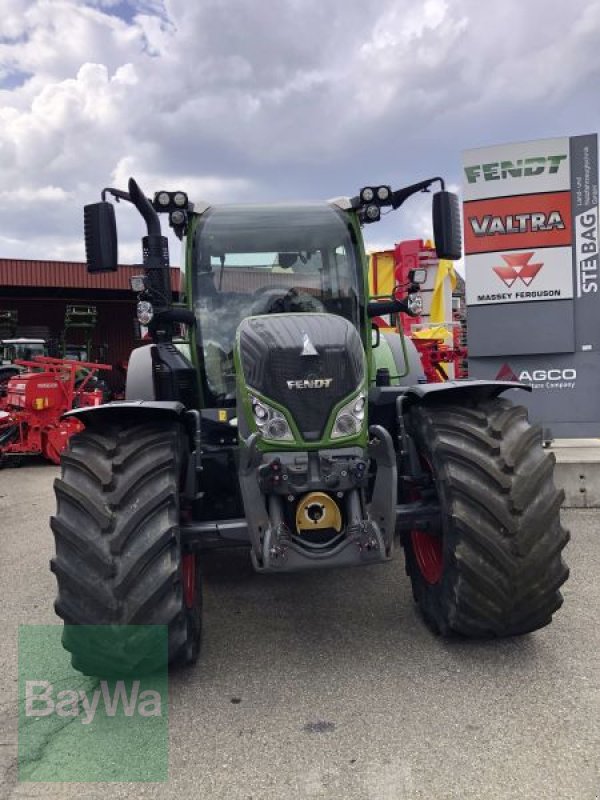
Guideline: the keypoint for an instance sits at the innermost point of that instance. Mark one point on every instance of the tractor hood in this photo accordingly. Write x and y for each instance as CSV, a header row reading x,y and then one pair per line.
x,y
306,366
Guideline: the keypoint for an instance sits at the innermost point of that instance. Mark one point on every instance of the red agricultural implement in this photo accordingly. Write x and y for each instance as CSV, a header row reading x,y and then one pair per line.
x,y
31,413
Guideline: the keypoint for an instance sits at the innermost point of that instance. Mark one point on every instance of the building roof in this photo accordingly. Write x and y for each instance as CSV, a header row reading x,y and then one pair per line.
x,y
70,274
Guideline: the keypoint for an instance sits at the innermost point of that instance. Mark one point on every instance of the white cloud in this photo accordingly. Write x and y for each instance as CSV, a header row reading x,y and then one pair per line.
x,y
241,100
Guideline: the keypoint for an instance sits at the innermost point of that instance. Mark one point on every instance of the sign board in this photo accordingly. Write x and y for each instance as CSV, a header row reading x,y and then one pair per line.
x,y
517,197
519,276
513,169
532,275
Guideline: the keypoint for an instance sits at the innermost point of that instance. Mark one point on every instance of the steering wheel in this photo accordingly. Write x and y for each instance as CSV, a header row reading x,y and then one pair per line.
x,y
291,300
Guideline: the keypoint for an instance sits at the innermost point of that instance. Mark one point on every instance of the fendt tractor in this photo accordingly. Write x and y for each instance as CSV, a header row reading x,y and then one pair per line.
x,y
268,412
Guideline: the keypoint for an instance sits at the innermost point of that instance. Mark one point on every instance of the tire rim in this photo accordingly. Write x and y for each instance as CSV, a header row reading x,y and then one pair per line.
x,y
428,549
429,555
188,573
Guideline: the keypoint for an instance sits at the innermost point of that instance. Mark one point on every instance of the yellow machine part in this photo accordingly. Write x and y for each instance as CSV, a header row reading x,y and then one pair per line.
x,y
316,510
381,273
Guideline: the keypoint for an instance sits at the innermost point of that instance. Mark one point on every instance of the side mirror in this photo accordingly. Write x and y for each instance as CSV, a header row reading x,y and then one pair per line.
x,y
100,231
446,225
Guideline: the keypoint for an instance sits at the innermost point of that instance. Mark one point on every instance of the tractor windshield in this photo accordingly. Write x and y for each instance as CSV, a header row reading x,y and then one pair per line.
x,y
253,260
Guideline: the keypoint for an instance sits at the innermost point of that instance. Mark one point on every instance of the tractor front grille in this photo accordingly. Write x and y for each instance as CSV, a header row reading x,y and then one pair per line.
x,y
272,352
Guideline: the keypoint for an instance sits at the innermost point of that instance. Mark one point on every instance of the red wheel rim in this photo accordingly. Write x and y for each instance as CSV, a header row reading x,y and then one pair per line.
x,y
429,555
428,549
188,570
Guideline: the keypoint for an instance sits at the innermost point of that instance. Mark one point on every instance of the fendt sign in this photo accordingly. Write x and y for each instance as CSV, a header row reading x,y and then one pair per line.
x,y
521,168
533,277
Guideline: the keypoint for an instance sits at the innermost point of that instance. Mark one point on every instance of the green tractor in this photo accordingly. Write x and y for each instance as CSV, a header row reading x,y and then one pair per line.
x,y
267,412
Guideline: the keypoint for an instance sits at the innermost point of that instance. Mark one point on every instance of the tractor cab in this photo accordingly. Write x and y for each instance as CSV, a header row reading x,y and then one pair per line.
x,y
251,261
12,350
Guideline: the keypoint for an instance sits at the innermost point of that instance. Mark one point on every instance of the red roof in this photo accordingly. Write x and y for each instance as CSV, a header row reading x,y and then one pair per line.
x,y
69,274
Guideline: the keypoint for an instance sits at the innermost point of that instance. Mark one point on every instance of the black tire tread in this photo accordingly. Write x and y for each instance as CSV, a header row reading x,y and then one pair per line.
x,y
502,536
118,559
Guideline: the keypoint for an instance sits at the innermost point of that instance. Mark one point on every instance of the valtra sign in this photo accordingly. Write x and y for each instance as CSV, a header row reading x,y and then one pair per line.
x,y
505,223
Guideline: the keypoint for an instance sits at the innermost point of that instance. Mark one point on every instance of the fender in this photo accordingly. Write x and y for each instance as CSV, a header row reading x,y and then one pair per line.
x,y
478,388
138,410
422,392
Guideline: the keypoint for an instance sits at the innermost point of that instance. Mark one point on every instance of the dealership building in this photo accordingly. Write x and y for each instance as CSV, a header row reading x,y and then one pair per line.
x,y
40,291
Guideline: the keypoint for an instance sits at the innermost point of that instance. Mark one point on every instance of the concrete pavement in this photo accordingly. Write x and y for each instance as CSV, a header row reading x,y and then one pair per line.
x,y
329,685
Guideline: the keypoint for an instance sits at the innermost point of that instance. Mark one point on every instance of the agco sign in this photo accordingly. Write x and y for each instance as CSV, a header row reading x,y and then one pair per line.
x,y
540,378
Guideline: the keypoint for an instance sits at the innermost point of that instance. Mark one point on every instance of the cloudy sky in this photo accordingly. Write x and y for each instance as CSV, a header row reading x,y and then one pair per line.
x,y
250,100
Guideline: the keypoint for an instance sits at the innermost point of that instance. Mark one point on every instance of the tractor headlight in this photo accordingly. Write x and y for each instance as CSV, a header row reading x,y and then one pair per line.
x,y
372,213
367,194
138,283
350,418
180,199
271,423
177,217
415,304
145,312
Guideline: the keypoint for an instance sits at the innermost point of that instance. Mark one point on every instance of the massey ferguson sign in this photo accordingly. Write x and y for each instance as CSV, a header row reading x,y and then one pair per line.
x,y
518,276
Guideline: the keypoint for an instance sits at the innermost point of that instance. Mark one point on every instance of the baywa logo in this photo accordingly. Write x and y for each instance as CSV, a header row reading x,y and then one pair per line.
x,y
517,268
42,699
564,378
78,728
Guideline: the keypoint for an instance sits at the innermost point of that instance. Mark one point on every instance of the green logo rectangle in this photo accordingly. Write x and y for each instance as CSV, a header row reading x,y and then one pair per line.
x,y
74,727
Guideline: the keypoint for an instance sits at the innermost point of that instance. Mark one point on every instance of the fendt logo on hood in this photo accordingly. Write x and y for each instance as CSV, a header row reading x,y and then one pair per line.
x,y
540,378
517,268
310,383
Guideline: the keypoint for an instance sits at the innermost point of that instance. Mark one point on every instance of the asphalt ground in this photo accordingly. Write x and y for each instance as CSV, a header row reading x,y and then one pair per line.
x,y
329,686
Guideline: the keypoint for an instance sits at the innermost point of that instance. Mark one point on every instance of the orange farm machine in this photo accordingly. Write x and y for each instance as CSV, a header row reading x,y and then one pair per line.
x,y
31,412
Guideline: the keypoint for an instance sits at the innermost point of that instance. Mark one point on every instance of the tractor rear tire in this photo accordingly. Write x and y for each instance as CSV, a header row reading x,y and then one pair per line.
x,y
118,559
496,569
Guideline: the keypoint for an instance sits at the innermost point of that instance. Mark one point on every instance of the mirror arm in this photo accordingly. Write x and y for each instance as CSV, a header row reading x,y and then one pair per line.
x,y
116,193
143,205
377,307
167,315
400,195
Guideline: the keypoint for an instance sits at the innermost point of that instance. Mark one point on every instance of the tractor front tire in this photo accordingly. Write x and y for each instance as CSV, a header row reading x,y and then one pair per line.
x,y
119,563
495,566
